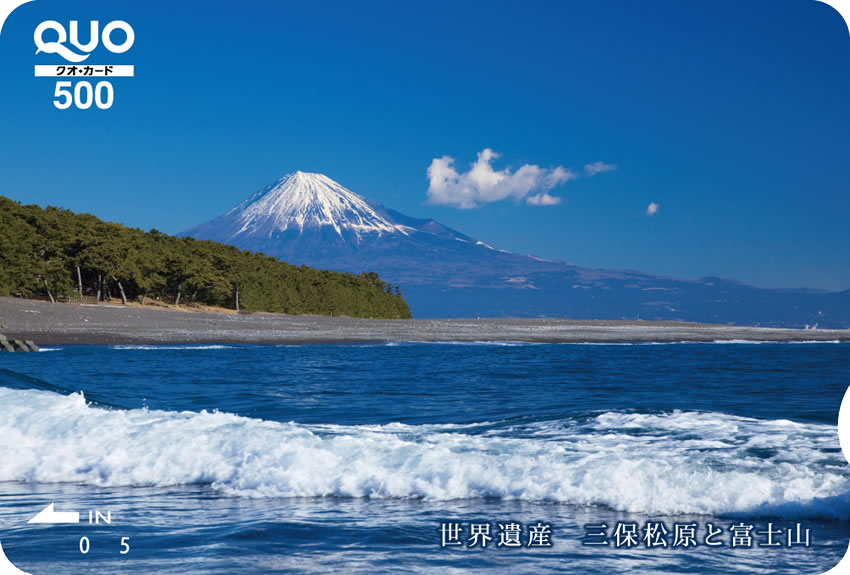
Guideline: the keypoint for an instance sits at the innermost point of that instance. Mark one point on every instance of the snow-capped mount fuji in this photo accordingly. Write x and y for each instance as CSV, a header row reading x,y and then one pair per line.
x,y
297,201
310,219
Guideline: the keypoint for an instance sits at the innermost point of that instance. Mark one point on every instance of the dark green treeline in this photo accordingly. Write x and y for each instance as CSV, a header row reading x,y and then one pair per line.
x,y
50,252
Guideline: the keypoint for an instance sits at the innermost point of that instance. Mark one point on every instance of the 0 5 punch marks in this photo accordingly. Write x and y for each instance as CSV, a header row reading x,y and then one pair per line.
x,y
50,516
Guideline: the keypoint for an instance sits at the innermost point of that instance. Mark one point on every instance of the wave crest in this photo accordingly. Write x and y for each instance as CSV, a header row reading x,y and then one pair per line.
x,y
673,463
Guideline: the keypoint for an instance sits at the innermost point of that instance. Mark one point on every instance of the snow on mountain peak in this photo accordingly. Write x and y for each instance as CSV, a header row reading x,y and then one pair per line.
x,y
302,199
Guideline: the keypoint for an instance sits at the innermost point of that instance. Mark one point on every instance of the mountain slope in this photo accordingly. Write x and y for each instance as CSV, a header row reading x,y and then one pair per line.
x,y
310,219
298,201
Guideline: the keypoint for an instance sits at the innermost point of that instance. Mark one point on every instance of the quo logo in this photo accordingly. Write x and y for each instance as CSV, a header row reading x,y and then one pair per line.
x,y
51,37
58,46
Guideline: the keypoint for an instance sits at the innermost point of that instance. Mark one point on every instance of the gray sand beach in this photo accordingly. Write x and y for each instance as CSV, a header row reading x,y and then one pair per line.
x,y
64,324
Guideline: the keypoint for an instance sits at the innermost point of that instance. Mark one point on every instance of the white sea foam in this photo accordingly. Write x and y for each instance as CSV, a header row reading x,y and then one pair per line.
x,y
678,462
499,343
716,341
171,347
758,341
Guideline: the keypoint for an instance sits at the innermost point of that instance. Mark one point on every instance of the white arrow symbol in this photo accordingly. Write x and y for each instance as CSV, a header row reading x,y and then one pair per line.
x,y
48,515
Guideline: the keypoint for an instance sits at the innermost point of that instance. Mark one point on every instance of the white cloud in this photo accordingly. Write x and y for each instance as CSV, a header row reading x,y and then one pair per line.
x,y
652,209
542,199
482,184
598,168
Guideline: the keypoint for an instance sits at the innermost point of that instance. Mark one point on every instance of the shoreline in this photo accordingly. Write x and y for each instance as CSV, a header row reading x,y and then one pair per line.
x,y
72,324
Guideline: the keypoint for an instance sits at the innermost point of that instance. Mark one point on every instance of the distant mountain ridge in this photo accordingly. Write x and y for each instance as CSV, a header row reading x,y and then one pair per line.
x,y
310,219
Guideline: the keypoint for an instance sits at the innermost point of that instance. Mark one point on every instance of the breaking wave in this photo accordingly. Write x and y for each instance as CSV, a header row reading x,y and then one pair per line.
x,y
665,463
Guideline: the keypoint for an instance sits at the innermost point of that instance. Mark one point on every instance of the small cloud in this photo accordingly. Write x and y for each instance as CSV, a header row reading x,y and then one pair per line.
x,y
482,184
652,209
598,168
543,199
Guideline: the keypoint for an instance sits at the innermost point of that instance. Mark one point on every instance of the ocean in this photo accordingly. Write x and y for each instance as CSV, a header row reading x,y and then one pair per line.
x,y
387,458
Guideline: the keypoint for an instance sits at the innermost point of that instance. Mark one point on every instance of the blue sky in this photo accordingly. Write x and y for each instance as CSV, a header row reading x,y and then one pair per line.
x,y
730,116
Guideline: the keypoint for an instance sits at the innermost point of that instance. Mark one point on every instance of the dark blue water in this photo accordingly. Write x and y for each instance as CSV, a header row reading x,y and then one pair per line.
x,y
258,459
